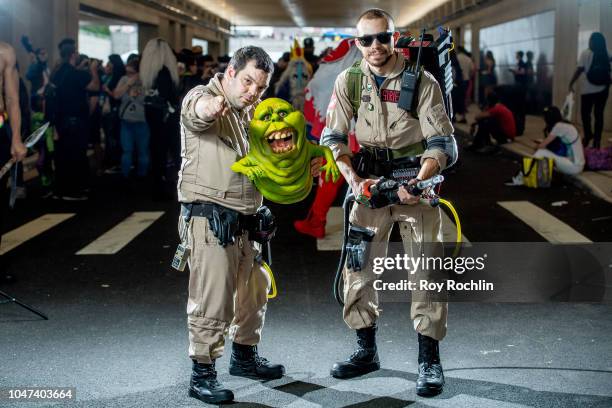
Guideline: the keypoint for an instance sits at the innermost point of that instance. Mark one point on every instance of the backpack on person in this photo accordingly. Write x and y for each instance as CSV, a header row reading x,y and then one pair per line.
x,y
599,71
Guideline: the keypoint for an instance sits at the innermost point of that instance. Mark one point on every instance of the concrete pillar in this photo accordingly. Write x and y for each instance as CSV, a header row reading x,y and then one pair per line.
x,y
46,23
188,36
566,47
146,32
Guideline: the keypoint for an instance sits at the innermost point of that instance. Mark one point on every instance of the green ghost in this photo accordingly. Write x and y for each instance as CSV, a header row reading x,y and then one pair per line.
x,y
278,162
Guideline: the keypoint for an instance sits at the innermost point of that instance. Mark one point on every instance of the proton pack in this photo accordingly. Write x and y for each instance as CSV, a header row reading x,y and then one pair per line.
x,y
430,55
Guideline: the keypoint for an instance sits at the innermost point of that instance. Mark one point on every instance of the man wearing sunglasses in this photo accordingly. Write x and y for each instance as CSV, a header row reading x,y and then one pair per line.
x,y
389,135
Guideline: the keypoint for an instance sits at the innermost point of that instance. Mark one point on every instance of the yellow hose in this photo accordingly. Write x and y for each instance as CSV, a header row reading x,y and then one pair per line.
x,y
457,223
269,270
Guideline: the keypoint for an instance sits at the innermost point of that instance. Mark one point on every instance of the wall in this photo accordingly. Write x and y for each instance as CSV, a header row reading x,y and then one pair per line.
x,y
566,33
47,22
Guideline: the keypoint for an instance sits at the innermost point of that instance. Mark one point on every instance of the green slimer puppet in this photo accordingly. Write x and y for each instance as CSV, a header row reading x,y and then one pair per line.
x,y
278,162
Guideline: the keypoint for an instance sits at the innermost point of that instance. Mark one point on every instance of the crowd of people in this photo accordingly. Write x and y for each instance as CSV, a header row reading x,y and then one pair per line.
x,y
503,108
125,112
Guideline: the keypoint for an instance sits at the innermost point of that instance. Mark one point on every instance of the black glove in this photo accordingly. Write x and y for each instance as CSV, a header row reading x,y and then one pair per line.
x,y
263,225
224,224
384,193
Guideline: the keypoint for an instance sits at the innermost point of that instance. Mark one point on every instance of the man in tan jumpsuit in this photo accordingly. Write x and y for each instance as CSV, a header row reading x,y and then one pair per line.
x,y
227,287
11,145
383,127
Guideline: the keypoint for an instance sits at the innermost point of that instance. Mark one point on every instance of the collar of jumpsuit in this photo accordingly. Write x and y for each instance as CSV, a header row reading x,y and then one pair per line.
x,y
398,67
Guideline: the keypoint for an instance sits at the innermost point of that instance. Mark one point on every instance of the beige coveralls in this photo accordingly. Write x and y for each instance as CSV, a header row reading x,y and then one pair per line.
x,y
381,123
227,289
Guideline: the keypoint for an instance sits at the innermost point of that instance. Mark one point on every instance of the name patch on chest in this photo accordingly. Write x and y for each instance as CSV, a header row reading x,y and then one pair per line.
x,y
389,95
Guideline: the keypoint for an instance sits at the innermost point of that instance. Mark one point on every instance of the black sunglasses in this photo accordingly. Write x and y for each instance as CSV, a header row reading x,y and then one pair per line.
x,y
382,38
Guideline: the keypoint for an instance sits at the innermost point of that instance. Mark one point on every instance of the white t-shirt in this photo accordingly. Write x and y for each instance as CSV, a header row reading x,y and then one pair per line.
x,y
569,135
467,65
585,61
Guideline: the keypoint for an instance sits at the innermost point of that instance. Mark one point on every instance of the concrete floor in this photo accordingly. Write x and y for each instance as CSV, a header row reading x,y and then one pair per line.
x,y
117,328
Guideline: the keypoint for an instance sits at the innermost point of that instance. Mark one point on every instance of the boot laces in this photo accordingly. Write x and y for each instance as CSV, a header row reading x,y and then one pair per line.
x,y
431,369
359,353
259,361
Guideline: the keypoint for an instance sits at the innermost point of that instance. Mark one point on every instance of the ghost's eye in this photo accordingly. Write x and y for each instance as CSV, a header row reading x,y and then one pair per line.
x,y
282,114
267,118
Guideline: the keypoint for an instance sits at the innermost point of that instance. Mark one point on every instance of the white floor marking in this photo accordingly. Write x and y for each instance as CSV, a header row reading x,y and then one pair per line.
x,y
120,235
18,236
548,226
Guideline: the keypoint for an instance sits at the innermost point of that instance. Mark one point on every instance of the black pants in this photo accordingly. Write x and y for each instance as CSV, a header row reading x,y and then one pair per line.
x,y
71,163
112,131
488,128
458,95
161,132
596,103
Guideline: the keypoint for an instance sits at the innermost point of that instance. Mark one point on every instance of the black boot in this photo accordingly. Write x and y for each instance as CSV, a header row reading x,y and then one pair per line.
x,y
205,387
431,378
246,362
364,360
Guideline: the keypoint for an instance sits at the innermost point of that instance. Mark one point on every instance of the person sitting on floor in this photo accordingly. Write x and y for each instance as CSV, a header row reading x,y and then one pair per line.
x,y
562,143
496,121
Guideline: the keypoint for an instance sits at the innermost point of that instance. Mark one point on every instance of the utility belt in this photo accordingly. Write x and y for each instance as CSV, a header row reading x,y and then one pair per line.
x,y
399,164
226,224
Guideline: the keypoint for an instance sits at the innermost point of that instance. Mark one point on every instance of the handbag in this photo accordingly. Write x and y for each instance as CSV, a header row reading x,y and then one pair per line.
x,y
598,159
537,173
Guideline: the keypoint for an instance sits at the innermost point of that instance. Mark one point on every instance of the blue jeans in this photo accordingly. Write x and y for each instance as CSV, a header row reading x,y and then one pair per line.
x,y
134,135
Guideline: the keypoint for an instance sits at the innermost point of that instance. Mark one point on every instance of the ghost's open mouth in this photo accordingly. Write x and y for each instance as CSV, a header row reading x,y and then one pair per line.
x,y
281,141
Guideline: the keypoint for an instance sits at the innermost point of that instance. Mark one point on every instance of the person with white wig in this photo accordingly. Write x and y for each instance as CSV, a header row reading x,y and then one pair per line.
x,y
160,78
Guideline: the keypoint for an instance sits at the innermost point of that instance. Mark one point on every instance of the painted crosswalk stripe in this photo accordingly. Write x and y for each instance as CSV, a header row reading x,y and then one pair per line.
x,y
548,226
333,231
18,236
120,235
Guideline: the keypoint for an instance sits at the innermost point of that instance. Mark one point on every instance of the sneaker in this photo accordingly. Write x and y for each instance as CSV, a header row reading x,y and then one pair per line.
x,y
516,180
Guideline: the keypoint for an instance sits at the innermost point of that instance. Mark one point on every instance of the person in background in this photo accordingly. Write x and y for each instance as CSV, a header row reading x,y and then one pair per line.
x,y
467,70
38,75
95,98
496,121
561,143
190,79
488,77
197,51
594,62
206,66
71,121
531,95
11,145
160,79
134,128
520,70
309,54
222,63
114,70
279,67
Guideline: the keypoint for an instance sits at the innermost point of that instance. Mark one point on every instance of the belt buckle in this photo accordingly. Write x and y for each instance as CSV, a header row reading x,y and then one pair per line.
x,y
383,154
